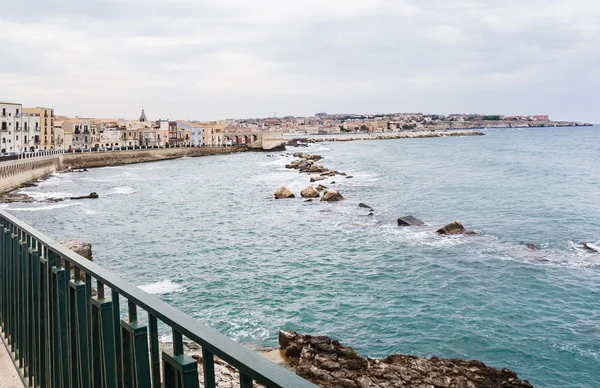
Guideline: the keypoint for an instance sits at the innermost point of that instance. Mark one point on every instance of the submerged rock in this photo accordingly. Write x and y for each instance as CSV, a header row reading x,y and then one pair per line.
x,y
532,247
310,192
284,192
329,364
409,221
92,195
15,197
452,228
332,196
364,205
591,247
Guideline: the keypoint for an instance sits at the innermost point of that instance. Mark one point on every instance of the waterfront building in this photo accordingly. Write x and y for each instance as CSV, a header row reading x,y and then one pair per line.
x,y
213,134
172,133
31,130
47,138
10,127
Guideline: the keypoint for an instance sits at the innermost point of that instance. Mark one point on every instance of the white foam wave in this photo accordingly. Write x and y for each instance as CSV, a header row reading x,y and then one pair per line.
x,y
123,190
43,208
163,287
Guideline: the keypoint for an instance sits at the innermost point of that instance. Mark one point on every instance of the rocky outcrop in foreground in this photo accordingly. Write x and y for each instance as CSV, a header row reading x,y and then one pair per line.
x,y
329,364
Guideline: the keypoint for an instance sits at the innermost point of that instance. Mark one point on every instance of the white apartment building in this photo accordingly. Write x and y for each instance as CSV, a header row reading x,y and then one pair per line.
x,y
31,131
11,138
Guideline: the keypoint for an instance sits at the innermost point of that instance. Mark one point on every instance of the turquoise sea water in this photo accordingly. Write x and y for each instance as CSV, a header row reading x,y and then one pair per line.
x,y
207,236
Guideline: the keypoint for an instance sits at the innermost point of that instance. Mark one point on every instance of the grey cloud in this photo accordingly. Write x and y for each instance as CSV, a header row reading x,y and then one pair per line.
x,y
211,60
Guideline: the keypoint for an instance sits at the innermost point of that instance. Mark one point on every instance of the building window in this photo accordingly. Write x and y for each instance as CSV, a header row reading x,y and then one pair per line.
x,y
4,112
25,126
17,112
4,127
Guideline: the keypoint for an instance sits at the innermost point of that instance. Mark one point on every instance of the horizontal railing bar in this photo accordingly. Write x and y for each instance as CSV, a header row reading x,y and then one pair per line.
x,y
245,360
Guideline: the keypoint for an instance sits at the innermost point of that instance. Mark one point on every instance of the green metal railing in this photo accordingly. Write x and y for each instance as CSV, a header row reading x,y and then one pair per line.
x,y
61,335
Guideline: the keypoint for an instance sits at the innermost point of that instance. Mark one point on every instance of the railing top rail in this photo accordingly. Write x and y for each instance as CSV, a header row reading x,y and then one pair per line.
x,y
245,360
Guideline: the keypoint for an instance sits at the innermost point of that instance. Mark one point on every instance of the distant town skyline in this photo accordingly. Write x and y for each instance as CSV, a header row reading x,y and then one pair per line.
x,y
205,60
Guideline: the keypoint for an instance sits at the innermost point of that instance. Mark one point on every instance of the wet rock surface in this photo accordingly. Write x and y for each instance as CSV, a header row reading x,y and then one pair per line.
x,y
327,363
310,192
332,196
15,197
284,192
409,221
452,228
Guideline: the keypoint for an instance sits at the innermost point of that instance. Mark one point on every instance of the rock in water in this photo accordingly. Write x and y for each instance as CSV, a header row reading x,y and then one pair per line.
x,y
332,196
321,188
317,178
81,248
409,221
532,247
284,192
452,228
329,364
591,247
365,206
92,195
310,192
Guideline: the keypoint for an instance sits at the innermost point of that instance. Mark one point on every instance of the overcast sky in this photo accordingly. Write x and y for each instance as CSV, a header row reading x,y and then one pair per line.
x,y
216,59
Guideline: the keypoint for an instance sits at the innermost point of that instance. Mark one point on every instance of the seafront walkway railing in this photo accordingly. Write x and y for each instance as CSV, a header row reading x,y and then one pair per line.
x,y
61,321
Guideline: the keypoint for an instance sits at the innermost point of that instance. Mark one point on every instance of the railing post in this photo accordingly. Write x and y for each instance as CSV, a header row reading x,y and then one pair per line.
x,y
136,363
79,325
103,341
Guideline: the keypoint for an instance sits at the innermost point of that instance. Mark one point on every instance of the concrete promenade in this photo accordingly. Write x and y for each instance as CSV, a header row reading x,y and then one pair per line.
x,y
9,378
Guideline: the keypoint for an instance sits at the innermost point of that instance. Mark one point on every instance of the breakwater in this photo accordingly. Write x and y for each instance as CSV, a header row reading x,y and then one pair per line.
x,y
391,136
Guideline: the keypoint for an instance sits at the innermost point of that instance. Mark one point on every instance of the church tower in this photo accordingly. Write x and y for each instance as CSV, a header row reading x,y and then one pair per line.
x,y
143,116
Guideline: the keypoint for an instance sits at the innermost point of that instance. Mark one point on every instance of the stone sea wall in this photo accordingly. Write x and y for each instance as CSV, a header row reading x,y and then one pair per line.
x,y
103,159
15,173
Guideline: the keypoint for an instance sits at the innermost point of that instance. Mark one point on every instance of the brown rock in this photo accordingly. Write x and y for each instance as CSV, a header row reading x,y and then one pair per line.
x,y
452,228
532,247
332,196
310,192
321,188
81,248
284,192
329,364
317,178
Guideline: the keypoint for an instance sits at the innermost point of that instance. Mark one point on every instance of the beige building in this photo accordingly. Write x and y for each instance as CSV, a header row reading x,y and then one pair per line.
x,y
213,134
47,137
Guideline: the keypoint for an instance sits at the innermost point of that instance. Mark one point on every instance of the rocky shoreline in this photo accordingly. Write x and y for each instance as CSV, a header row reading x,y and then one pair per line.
x,y
329,364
